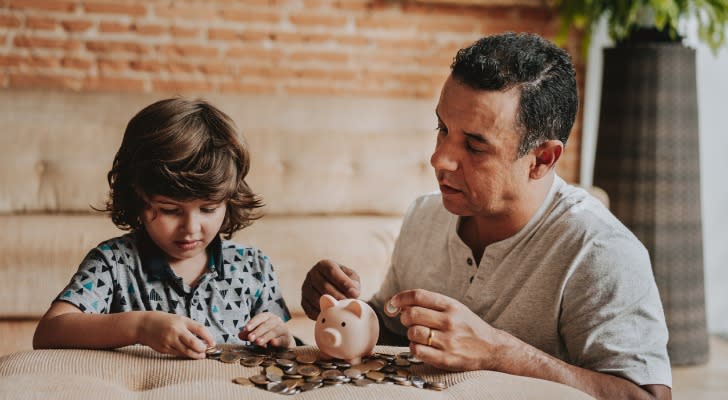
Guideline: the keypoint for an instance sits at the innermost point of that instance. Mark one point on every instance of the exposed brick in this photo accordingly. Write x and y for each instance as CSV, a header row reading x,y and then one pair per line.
x,y
146,65
49,5
76,25
41,23
329,21
213,68
386,22
114,27
77,63
179,86
113,65
223,34
150,29
10,60
40,62
179,67
301,38
318,56
113,84
358,40
188,50
249,88
42,42
186,12
25,80
254,53
253,36
9,21
184,32
134,10
250,16
114,47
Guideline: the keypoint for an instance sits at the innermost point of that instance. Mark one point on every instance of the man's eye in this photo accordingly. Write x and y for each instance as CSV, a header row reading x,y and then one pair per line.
x,y
441,130
472,149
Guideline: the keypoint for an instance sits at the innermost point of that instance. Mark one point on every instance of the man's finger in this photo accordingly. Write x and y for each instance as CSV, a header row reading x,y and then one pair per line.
x,y
422,298
310,308
416,315
335,275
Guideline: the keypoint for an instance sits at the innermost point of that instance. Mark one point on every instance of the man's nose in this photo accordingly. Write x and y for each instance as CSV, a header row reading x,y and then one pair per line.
x,y
444,158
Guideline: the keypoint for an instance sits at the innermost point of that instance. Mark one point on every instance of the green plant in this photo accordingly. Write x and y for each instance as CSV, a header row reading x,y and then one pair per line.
x,y
624,16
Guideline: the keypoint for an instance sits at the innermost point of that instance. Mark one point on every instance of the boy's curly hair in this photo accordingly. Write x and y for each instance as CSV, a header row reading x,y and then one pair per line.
x,y
183,149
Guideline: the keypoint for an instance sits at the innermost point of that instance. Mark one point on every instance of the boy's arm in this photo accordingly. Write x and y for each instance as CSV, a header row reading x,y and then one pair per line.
x,y
66,326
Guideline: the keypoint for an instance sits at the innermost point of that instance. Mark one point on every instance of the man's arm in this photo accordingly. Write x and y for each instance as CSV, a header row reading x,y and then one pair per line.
x,y
448,335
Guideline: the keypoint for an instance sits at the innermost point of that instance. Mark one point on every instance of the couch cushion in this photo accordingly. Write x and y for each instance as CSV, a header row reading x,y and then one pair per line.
x,y
137,372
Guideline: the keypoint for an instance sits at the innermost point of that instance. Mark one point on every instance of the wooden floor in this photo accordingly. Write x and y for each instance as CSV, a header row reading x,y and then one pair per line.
x,y
704,382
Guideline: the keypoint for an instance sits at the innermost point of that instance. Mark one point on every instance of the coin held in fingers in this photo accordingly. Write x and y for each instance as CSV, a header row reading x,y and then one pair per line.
x,y
390,310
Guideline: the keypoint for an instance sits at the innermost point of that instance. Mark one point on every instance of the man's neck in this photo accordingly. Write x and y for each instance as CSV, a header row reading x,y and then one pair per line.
x,y
479,232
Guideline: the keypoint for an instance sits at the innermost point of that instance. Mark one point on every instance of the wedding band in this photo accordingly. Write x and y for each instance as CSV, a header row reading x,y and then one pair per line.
x,y
429,337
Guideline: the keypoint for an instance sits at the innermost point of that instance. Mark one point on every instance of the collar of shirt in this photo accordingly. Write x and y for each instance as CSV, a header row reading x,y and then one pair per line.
x,y
154,261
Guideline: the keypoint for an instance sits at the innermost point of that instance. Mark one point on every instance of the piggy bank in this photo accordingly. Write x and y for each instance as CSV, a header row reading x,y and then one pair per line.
x,y
346,329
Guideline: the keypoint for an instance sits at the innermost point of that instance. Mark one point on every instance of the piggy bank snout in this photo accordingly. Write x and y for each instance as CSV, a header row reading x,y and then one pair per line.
x,y
331,337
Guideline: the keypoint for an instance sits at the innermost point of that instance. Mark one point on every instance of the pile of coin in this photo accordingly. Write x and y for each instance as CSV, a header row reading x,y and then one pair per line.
x,y
285,372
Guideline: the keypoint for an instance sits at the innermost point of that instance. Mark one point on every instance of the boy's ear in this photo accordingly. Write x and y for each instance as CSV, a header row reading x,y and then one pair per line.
x,y
546,156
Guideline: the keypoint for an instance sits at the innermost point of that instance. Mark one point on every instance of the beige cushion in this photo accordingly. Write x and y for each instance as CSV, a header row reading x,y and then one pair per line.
x,y
140,373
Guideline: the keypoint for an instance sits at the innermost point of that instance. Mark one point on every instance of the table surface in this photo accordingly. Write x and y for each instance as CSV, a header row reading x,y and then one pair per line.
x,y
138,372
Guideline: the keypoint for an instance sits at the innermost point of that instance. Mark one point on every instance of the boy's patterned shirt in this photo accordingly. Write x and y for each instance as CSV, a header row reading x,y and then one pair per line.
x,y
130,273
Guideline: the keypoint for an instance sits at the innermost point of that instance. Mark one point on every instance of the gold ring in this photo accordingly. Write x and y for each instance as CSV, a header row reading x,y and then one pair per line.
x,y
430,336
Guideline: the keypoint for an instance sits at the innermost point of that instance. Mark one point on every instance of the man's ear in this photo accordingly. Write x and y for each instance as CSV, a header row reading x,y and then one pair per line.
x,y
546,156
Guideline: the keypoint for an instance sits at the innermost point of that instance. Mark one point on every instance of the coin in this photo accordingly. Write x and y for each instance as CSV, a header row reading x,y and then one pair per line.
x,y
306,358
375,376
353,373
229,357
391,310
308,370
363,382
311,386
259,379
436,385
251,361
241,380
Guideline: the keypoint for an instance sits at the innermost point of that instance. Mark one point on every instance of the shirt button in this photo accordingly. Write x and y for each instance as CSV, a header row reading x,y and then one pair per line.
x,y
470,261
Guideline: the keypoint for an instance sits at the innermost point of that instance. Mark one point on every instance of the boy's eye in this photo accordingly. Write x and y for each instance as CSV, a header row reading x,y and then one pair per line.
x,y
208,210
168,210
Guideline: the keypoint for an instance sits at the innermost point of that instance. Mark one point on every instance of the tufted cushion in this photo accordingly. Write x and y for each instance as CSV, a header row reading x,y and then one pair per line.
x,y
139,373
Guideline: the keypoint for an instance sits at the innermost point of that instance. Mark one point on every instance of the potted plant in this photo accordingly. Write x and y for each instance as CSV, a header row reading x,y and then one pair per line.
x,y
645,20
647,156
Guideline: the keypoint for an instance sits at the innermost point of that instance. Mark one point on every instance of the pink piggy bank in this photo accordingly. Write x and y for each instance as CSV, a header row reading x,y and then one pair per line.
x,y
347,329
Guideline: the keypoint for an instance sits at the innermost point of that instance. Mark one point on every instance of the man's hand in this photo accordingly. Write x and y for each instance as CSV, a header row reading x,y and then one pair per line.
x,y
267,328
446,334
328,277
174,334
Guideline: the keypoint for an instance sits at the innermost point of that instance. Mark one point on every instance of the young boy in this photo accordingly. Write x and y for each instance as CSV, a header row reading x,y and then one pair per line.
x,y
177,183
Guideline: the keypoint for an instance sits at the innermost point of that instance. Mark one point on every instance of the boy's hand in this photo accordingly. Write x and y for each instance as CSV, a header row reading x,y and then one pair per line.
x,y
266,328
174,334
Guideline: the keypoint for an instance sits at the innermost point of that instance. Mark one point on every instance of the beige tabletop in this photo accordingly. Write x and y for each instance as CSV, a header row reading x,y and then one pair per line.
x,y
137,372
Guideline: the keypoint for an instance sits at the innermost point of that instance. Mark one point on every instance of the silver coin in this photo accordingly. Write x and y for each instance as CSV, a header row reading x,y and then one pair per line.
x,y
285,363
417,381
353,373
278,387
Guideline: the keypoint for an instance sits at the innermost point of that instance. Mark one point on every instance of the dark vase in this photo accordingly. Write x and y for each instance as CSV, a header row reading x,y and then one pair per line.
x,y
647,160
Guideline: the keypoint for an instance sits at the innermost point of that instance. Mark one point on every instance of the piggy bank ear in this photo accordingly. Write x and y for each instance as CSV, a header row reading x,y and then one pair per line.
x,y
355,308
326,301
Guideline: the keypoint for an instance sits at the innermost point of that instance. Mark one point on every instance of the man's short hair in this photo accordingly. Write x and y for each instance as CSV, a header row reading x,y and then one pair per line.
x,y
543,73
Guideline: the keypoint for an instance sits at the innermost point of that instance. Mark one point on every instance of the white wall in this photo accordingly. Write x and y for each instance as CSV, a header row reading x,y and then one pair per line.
x,y
712,79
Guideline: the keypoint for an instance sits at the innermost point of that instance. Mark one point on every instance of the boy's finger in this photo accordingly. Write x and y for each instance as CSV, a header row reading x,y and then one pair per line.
x,y
201,332
256,321
193,343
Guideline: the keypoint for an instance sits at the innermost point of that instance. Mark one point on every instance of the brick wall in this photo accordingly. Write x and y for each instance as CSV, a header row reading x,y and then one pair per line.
x,y
390,48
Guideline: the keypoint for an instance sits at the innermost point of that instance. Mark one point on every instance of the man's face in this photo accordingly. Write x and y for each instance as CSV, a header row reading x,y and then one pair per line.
x,y
475,155
182,229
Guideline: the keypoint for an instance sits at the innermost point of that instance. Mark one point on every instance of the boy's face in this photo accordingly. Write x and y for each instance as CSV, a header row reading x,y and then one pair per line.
x,y
182,229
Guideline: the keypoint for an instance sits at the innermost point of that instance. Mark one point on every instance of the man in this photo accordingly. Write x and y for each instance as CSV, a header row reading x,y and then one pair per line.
x,y
509,268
